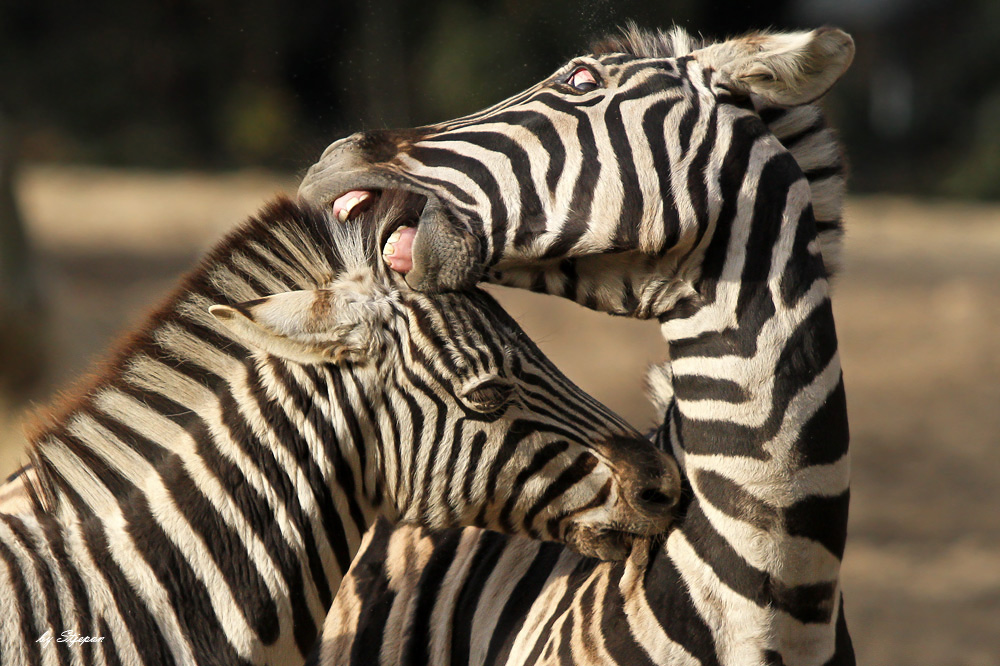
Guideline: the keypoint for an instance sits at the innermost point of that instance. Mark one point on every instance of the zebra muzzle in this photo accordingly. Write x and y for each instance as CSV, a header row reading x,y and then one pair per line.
x,y
444,256
431,248
603,544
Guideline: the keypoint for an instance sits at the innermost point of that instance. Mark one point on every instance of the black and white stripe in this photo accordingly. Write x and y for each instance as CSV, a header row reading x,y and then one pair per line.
x,y
666,192
201,499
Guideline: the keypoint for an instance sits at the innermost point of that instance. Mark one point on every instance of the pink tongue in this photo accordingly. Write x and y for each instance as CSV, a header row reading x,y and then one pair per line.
x,y
401,260
341,201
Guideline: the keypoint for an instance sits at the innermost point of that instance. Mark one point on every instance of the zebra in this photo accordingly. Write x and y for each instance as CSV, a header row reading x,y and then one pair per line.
x,y
200,498
657,177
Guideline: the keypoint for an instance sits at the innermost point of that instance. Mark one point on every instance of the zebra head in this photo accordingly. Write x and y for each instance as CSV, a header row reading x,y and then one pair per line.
x,y
616,164
458,417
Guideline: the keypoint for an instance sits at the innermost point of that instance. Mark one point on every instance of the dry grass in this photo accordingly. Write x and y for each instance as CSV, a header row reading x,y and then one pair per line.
x,y
917,307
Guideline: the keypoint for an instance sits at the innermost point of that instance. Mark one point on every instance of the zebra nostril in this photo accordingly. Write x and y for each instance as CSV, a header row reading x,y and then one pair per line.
x,y
654,496
655,501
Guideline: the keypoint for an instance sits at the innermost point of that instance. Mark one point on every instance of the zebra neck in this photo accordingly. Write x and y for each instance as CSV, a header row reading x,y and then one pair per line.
x,y
235,464
164,424
758,422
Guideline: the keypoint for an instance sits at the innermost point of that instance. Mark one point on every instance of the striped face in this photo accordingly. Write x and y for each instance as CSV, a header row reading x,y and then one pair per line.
x,y
553,171
615,152
461,418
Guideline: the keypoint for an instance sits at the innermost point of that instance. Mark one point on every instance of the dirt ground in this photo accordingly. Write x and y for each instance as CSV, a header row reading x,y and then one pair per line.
x,y
918,311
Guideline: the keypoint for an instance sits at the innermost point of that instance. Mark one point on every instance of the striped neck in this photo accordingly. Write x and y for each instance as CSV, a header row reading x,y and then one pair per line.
x,y
203,420
194,470
758,422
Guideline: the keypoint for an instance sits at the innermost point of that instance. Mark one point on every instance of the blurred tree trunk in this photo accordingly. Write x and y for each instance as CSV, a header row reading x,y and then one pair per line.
x,y
22,334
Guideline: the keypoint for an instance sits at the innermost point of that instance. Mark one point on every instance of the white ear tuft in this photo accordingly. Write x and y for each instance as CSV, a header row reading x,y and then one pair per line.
x,y
788,69
336,325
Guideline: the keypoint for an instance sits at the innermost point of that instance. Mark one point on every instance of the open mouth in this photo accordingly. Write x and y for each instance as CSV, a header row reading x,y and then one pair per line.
x,y
397,248
351,204
420,236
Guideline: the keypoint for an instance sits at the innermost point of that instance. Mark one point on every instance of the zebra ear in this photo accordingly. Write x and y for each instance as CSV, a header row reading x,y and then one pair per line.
x,y
312,326
788,69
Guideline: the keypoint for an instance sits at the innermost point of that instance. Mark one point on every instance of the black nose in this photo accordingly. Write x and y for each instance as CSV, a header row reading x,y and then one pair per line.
x,y
651,478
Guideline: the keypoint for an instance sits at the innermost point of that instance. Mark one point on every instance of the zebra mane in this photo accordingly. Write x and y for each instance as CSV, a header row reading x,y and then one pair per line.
x,y
644,43
286,247
802,130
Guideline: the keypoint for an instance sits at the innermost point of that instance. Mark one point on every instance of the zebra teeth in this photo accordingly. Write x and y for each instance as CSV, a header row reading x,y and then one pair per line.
x,y
350,206
347,206
389,248
398,249
346,210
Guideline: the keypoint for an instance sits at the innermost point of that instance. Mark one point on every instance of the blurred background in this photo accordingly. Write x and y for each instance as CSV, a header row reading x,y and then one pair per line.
x,y
132,135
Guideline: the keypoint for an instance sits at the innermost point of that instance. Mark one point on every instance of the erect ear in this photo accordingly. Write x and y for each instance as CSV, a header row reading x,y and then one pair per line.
x,y
787,69
317,326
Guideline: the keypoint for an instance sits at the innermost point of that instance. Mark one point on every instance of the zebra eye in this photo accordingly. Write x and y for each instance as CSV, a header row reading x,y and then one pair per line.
x,y
582,79
488,396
